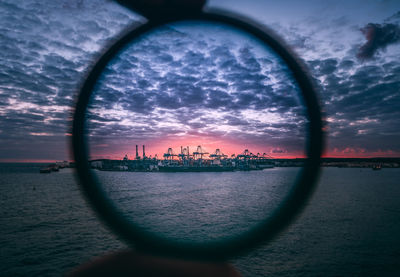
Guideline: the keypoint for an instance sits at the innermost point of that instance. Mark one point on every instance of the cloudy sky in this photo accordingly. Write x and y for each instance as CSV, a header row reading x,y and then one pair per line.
x,y
196,83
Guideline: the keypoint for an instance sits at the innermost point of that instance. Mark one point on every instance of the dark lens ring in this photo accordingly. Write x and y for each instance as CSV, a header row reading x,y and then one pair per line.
x,y
221,249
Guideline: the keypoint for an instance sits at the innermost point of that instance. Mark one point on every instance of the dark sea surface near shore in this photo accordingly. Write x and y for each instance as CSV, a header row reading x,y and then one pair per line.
x,y
351,226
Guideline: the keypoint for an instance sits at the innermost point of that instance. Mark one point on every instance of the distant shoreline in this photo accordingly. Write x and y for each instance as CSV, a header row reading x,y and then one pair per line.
x,y
381,162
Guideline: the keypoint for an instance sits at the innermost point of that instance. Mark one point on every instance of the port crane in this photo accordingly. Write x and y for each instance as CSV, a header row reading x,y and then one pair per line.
x,y
185,154
266,156
218,154
245,155
169,155
199,153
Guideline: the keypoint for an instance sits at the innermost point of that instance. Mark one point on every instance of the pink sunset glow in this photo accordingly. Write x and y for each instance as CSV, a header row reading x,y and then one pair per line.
x,y
209,144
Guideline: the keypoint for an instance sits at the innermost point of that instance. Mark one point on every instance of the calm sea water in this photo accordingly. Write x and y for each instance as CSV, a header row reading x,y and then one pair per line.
x,y
350,228
198,206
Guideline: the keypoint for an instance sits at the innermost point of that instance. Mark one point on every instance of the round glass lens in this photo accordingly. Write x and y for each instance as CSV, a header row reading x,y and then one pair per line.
x,y
196,131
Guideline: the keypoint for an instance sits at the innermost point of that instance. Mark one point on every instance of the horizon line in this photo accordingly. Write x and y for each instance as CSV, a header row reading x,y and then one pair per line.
x,y
280,158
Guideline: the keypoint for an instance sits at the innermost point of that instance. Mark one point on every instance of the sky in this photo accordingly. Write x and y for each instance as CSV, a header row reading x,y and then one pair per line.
x,y
196,83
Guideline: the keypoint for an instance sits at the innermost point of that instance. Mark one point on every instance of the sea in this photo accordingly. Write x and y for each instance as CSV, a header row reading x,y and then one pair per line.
x,y
350,227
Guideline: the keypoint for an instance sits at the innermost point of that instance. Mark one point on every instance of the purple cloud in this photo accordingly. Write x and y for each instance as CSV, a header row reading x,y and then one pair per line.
x,y
378,36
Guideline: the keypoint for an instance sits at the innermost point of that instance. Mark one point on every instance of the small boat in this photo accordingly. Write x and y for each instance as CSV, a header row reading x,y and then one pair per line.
x,y
376,167
45,170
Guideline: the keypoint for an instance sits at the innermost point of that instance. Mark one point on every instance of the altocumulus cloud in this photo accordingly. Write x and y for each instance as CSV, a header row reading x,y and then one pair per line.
x,y
46,48
231,88
216,86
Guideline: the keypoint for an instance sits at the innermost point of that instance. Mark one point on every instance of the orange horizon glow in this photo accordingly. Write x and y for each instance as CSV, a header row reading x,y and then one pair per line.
x,y
120,157
234,149
354,152
229,147
363,156
209,144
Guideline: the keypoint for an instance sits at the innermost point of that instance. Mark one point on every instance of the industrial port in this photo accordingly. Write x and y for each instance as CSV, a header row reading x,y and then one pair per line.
x,y
203,161
186,161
